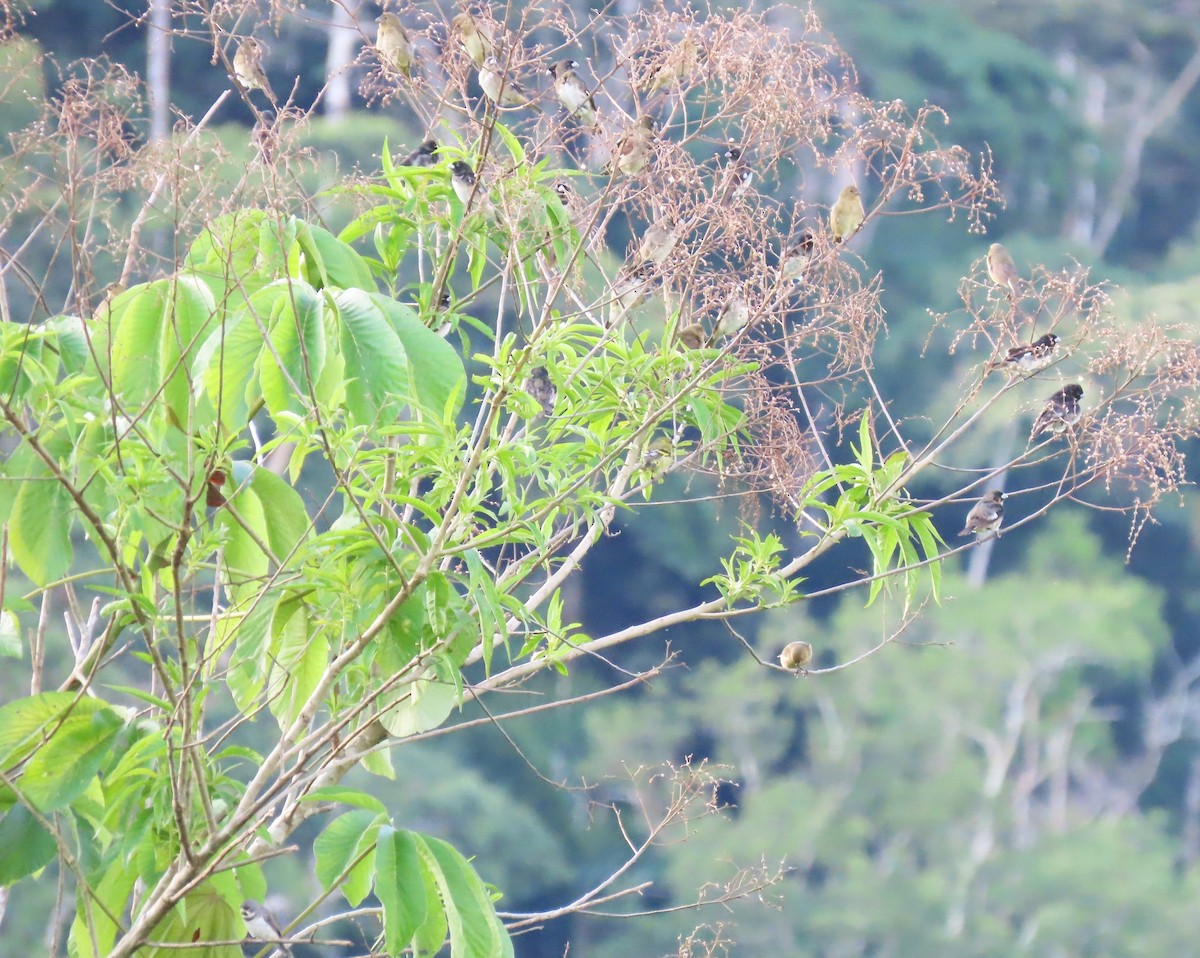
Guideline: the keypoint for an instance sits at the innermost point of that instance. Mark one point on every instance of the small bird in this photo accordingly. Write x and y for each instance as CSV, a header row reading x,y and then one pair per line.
x,y
1002,270
475,38
986,515
1027,359
393,45
691,336
571,92
632,151
631,288
659,457
539,385
658,242
262,925
501,90
796,655
423,155
1061,412
847,214
733,319
462,180
247,67
795,259
738,174
676,66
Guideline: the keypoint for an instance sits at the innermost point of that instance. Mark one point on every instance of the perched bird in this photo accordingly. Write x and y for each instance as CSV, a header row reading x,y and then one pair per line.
x,y
475,38
986,515
1001,269
571,92
633,148
462,180
261,924
1027,359
796,655
795,259
247,67
539,385
501,90
572,202
691,336
631,288
1061,412
659,457
676,66
392,43
423,155
733,318
738,174
847,214
658,242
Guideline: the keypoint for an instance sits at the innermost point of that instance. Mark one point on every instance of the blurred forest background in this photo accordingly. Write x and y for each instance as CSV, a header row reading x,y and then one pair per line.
x,y
1021,773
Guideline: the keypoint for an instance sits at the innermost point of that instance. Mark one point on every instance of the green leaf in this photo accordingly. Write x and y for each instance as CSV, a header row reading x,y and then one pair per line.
x,y
61,770
292,360
107,896
378,373
204,915
330,262
438,380
10,635
420,706
39,528
343,841
299,655
474,929
286,519
25,846
400,887
347,796
223,372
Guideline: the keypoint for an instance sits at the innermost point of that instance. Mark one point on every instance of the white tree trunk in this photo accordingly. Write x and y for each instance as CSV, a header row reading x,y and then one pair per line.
x,y
158,68
344,38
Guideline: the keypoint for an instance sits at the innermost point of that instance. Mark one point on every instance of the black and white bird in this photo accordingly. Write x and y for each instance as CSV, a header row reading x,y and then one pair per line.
x,y
262,925
462,180
986,515
1060,413
571,92
737,175
503,90
423,155
1027,359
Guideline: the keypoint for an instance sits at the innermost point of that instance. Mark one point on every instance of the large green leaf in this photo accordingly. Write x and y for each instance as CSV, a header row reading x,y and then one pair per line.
x,y
225,364
400,887
39,528
377,378
292,360
242,251
343,841
107,895
436,373
298,657
330,262
475,931
204,915
60,771
25,846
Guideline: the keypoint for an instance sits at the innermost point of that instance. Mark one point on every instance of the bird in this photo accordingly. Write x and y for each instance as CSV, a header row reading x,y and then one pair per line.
x,y
393,45
539,385
633,148
1001,269
847,214
738,174
797,256
423,155
571,93
247,67
1029,358
796,655
475,38
462,180
262,925
501,90
677,65
691,336
658,242
1061,412
659,457
986,514
631,288
733,319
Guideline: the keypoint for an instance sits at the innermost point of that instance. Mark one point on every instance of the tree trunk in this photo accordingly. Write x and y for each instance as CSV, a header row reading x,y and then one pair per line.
x,y
158,69
343,42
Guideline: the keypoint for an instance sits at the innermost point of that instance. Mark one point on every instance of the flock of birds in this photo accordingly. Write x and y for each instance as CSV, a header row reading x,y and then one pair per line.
x,y
630,155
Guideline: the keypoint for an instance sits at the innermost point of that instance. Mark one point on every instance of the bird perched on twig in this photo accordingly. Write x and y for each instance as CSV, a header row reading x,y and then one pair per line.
x,y
462,180
847,214
248,69
423,155
738,174
733,319
658,242
796,655
986,515
539,385
1060,413
571,92
262,925
503,90
475,38
676,66
631,288
795,259
1002,270
393,45
632,151
691,336
1027,359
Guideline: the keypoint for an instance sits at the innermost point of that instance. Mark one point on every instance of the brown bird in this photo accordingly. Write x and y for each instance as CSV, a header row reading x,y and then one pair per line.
x,y
1030,358
733,319
675,67
393,45
986,515
247,67
631,288
1002,270
539,385
1061,412
658,242
571,92
632,151
796,655
847,214
502,90
795,259
475,38
691,336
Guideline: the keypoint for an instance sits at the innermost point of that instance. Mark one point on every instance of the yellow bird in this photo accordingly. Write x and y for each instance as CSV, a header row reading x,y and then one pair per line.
x,y
847,214
392,42
1001,269
474,37
247,67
